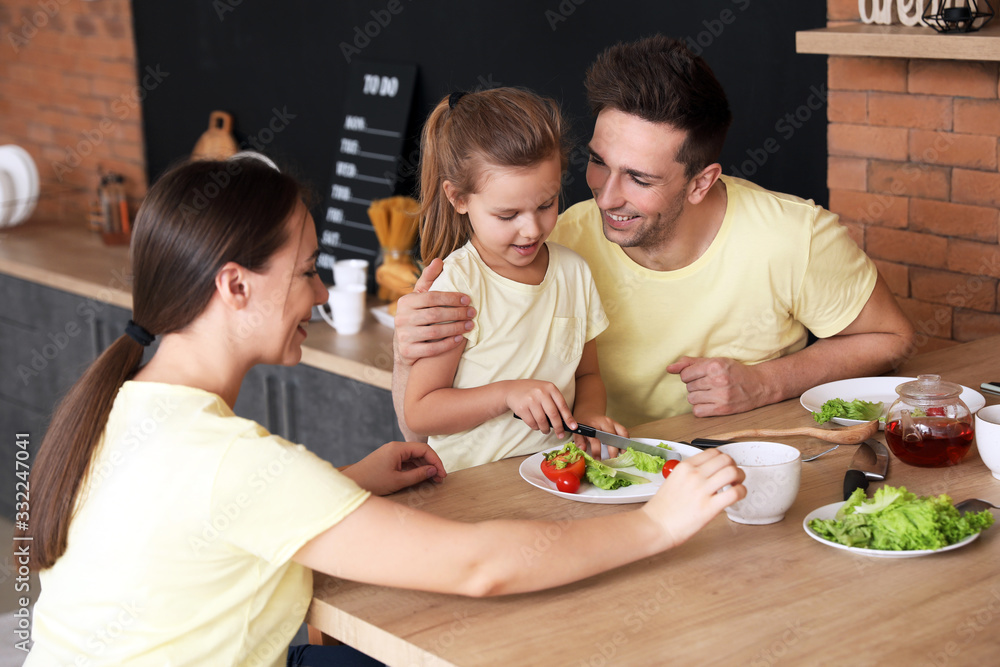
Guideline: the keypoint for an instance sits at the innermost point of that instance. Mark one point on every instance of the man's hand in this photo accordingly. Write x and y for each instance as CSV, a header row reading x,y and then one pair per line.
x,y
430,323
395,466
721,386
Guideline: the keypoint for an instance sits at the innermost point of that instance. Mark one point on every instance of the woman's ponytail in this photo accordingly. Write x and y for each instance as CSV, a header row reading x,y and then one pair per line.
x,y
68,447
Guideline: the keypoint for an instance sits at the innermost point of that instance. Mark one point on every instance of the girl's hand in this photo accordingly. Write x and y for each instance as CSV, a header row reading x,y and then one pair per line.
x,y
698,489
601,423
395,466
540,405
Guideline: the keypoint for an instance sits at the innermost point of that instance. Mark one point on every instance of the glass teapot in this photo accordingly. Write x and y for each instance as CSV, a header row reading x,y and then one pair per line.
x,y
928,425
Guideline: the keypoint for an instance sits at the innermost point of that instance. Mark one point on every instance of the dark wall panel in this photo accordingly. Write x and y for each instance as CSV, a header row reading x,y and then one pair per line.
x,y
284,65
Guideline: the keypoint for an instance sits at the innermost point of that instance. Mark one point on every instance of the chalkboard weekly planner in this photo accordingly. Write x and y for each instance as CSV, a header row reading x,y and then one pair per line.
x,y
369,146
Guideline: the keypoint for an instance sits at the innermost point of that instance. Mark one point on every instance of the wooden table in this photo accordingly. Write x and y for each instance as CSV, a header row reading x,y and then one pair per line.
x,y
733,594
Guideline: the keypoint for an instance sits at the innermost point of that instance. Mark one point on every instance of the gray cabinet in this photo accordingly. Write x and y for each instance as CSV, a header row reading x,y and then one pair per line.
x,y
48,338
339,419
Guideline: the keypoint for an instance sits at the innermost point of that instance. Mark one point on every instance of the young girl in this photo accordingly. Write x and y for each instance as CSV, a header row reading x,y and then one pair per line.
x,y
491,173
170,531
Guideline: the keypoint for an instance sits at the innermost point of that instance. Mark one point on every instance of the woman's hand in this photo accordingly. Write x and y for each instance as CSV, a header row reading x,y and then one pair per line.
x,y
695,492
395,466
430,323
601,423
540,405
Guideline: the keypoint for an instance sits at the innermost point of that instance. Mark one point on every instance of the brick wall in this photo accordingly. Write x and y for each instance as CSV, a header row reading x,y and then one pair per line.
x,y
70,95
913,172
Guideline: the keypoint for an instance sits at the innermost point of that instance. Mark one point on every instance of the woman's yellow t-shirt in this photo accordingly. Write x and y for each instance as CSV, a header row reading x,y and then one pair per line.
x,y
179,549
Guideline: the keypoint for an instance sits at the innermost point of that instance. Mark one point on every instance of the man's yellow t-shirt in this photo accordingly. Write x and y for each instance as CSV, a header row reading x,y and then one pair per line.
x,y
180,547
779,266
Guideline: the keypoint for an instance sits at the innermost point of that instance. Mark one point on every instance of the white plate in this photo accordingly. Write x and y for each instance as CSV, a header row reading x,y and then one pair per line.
x,y
830,512
871,389
8,201
24,176
381,313
531,471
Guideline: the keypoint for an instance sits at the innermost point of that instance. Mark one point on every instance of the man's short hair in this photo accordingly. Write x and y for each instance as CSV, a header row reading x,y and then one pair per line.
x,y
659,80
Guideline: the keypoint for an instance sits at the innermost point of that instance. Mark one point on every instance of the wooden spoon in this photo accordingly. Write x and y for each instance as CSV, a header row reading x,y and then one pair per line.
x,y
846,435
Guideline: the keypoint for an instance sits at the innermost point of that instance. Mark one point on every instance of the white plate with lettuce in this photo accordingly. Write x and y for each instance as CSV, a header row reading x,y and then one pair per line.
x,y
531,472
873,390
893,517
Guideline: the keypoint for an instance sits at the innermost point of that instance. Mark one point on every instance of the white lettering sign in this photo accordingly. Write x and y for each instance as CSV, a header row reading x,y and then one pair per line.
x,y
909,12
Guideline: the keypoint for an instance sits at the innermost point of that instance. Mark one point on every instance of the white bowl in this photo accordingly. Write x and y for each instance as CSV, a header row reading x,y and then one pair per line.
x,y
988,437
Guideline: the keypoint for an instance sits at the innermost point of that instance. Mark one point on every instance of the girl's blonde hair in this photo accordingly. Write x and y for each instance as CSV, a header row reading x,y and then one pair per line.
x,y
469,133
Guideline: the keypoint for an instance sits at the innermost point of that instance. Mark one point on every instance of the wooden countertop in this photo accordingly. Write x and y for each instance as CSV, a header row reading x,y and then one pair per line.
x,y
71,258
898,41
733,594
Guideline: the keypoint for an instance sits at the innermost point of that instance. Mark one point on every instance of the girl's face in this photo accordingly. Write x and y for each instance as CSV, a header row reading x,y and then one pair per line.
x,y
513,213
287,291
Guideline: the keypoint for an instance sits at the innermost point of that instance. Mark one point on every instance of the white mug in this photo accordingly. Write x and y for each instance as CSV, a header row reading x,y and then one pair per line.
x,y
772,473
988,437
347,305
350,272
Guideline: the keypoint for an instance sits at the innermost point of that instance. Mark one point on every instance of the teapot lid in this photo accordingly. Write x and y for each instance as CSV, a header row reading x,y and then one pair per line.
x,y
928,388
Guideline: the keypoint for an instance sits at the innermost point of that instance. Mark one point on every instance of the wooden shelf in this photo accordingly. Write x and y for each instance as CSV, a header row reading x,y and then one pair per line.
x,y
896,41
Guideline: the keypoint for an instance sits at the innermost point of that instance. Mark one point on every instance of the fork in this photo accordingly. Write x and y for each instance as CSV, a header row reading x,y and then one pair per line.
x,y
974,505
813,458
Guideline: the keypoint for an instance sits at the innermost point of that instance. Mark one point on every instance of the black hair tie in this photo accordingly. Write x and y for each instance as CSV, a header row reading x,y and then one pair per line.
x,y
138,334
455,97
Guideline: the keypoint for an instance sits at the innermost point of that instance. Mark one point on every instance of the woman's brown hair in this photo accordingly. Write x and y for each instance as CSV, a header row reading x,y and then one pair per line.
x,y
469,133
196,218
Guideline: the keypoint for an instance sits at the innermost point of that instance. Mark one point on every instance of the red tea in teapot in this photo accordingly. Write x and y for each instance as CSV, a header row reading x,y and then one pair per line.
x,y
941,442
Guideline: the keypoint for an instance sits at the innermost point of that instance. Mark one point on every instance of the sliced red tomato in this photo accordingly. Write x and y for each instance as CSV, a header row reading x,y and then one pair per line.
x,y
567,482
551,468
668,467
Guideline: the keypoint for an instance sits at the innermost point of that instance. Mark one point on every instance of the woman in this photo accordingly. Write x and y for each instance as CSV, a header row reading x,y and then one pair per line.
x,y
169,531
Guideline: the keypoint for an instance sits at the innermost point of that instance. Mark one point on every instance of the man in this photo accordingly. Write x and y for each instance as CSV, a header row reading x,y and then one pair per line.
x,y
711,283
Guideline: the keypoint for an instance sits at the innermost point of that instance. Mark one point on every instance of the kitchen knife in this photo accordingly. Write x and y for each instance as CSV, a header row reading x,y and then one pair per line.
x,y
614,440
871,461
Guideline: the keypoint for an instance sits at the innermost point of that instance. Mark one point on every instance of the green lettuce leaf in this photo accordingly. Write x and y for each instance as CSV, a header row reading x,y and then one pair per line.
x,y
857,409
896,520
632,458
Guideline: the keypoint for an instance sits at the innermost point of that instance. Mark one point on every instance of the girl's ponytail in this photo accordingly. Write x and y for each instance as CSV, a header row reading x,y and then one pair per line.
x,y
442,229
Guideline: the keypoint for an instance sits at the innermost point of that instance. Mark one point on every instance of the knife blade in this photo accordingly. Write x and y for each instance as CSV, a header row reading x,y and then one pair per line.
x,y
614,440
870,462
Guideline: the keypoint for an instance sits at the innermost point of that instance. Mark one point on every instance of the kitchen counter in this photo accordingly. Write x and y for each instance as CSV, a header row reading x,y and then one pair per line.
x,y
71,258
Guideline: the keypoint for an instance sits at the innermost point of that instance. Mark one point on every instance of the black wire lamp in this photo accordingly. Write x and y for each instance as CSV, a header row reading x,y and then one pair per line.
x,y
958,15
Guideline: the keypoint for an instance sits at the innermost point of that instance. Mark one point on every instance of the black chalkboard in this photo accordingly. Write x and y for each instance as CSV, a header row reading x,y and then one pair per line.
x,y
252,58
367,154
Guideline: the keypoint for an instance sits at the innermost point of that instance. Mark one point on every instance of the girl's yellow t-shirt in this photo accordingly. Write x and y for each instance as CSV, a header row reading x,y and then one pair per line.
x,y
179,549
